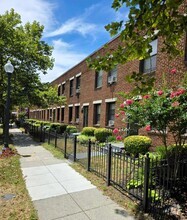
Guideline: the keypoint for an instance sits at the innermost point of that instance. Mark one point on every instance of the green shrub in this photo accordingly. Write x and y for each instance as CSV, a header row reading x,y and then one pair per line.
x,y
54,126
89,131
61,129
111,139
171,150
101,134
83,139
71,129
137,144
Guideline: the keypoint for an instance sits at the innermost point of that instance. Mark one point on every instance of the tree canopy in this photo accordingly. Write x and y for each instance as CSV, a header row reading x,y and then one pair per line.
x,y
147,20
29,54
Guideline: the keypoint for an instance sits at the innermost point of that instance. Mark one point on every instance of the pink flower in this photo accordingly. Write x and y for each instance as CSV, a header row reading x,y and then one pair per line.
x,y
122,105
129,102
160,92
177,93
175,104
117,115
122,113
148,127
146,96
118,138
181,91
173,71
115,131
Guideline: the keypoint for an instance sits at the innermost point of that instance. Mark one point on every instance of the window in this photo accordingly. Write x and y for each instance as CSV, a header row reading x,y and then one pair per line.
x,y
98,79
63,88
132,128
70,114
71,88
62,114
149,65
59,90
77,114
110,113
78,83
58,114
112,75
97,114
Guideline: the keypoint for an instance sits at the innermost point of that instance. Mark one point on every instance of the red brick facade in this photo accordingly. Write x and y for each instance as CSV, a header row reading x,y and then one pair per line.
x,y
90,96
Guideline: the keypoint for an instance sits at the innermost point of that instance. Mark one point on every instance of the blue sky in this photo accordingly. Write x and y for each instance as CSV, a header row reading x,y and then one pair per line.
x,y
75,28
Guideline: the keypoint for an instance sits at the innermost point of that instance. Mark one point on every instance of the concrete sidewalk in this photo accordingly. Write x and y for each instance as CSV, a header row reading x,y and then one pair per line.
x,y
57,190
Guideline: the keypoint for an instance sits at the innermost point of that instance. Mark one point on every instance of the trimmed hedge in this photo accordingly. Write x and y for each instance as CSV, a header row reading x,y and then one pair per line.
x,y
101,134
71,129
137,144
88,131
83,139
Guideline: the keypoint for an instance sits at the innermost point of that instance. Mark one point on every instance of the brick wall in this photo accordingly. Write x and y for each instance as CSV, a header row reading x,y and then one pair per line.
x,y
88,93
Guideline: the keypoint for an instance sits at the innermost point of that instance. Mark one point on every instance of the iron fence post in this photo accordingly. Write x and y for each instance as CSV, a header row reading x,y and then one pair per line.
x,y
55,138
49,136
89,155
40,133
65,144
44,135
74,148
109,164
146,183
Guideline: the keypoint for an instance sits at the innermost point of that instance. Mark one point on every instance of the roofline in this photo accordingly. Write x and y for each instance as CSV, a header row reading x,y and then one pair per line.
x,y
86,57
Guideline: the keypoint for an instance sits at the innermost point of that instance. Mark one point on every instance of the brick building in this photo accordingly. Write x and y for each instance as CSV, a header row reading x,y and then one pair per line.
x,y
92,97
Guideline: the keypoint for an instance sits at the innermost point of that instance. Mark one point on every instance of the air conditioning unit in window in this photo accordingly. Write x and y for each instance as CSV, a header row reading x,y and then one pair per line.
x,y
77,120
110,123
112,79
77,91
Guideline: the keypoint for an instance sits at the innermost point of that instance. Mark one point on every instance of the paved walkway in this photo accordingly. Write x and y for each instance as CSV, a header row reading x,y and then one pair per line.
x,y
57,190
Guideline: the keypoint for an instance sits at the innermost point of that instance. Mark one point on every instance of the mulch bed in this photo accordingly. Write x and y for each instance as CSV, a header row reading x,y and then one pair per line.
x,y
8,152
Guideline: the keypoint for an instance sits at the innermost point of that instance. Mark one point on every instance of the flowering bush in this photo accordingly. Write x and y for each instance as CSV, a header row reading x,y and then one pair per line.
x,y
162,111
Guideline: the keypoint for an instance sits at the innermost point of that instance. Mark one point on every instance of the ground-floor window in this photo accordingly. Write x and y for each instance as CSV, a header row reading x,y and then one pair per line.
x,y
97,114
70,114
110,114
77,110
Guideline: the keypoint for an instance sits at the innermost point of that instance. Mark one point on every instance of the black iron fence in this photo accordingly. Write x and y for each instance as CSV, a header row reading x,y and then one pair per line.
x,y
153,182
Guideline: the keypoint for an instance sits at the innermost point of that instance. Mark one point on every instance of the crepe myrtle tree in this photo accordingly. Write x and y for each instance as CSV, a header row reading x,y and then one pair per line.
x,y
146,21
160,111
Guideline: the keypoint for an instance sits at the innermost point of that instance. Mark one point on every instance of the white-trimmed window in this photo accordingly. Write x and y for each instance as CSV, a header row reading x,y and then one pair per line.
x,y
149,65
110,114
71,87
97,114
98,79
112,75
77,110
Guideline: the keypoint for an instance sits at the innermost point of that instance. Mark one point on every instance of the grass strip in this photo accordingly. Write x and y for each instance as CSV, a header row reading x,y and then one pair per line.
x,y
12,181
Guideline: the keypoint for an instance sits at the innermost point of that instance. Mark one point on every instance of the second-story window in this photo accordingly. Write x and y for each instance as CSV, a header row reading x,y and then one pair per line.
x,y
149,65
59,90
98,79
63,89
78,84
71,88
112,75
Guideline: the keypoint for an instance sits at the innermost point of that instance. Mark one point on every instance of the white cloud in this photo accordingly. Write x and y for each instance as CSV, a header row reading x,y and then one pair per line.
x,y
76,25
39,10
65,58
